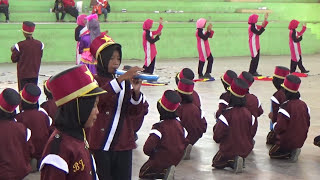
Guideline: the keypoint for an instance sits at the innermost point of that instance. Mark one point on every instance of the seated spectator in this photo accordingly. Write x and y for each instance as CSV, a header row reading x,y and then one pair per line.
x,y
102,7
59,8
4,8
69,7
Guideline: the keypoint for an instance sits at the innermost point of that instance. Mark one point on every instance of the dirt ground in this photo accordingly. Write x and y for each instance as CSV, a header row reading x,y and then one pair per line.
x,y
258,163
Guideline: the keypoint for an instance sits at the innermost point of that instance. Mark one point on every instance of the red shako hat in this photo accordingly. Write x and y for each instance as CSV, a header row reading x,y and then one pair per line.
x,y
9,100
291,83
170,100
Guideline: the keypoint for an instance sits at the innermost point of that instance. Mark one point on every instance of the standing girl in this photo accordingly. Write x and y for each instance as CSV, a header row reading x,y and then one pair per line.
x,y
80,30
204,47
294,42
149,46
254,32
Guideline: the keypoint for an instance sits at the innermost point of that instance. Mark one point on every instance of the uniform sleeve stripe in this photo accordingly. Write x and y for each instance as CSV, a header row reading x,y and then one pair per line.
x,y
144,99
224,120
17,47
284,112
202,114
274,125
94,166
185,132
134,102
259,103
28,134
115,86
308,110
156,132
253,120
42,46
275,100
222,101
45,112
56,161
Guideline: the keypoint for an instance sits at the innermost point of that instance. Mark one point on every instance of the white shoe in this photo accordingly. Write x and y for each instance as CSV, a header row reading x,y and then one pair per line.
x,y
170,173
294,155
187,152
238,164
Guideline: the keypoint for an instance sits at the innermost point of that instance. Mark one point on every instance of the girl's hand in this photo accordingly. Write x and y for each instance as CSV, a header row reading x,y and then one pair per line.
x,y
130,74
160,20
266,15
209,28
136,85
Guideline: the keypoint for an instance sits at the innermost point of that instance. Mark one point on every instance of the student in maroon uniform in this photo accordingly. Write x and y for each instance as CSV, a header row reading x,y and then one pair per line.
x,y
112,136
66,155
190,115
27,54
49,105
234,130
188,74
252,102
277,99
34,118
292,124
14,138
224,99
165,144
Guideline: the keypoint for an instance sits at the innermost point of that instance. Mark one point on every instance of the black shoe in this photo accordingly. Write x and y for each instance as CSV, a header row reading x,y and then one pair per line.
x,y
201,76
256,74
305,71
207,76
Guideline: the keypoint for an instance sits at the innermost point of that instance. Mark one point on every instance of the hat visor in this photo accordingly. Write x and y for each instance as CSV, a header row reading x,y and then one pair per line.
x,y
95,92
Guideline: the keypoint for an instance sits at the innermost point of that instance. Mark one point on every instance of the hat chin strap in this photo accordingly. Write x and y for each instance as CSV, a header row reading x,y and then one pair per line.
x,y
86,144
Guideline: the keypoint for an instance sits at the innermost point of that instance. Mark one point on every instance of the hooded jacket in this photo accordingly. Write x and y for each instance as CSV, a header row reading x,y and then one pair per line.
x,y
202,40
294,39
254,32
148,41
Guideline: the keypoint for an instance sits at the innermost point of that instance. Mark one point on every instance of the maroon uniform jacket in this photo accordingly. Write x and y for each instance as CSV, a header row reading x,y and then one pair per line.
x,y
196,99
292,124
276,100
66,158
165,145
39,122
191,120
223,103
116,122
28,54
234,131
50,107
254,106
14,138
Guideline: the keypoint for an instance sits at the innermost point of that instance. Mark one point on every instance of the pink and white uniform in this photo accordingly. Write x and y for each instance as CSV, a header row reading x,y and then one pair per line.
x,y
294,41
149,47
203,44
254,34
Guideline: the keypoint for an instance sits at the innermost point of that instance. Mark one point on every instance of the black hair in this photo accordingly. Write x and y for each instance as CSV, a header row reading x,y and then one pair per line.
x,y
27,106
291,95
225,85
237,101
7,116
185,98
277,82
